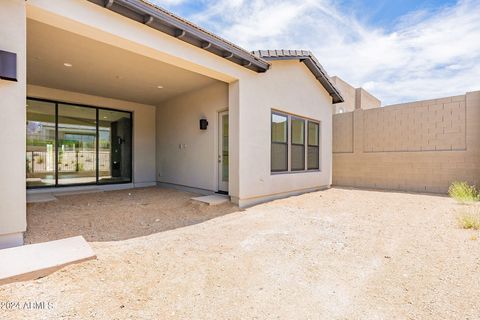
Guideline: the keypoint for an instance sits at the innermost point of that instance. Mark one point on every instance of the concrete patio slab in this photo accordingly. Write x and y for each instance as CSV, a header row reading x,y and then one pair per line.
x,y
40,197
74,192
38,260
213,200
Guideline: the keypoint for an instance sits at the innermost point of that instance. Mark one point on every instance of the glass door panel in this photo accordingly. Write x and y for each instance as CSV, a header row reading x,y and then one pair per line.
x,y
77,145
40,157
115,146
223,156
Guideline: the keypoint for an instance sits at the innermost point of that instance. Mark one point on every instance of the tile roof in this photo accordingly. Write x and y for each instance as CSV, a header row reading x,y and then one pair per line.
x,y
310,61
158,18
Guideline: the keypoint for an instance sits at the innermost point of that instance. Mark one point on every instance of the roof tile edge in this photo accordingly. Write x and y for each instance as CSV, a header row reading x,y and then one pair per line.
x,y
310,61
164,21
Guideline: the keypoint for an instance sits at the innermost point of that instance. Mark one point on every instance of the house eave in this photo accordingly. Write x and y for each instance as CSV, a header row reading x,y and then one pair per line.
x,y
181,29
311,63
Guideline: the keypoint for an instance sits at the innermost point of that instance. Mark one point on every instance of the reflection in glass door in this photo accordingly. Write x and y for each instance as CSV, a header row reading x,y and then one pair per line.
x,y
40,157
223,156
71,144
77,145
115,152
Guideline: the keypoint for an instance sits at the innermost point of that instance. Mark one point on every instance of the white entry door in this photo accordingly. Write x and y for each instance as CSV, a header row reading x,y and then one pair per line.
x,y
223,151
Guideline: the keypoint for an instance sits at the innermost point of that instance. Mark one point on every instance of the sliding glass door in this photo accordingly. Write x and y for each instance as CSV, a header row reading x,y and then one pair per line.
x,y
76,145
40,157
115,152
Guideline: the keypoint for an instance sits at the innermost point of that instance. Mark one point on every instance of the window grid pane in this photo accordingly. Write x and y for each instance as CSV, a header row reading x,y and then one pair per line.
x,y
298,157
298,144
279,128
312,133
298,131
313,157
279,157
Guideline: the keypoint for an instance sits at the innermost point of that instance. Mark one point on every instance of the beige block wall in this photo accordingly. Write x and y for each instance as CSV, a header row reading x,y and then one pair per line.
x,y
12,126
343,127
195,163
419,146
143,127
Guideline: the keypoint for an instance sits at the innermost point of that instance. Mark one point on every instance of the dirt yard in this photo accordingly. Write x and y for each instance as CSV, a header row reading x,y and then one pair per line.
x,y
336,254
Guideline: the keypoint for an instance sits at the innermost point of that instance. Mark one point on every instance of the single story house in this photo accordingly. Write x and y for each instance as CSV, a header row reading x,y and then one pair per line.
x,y
113,94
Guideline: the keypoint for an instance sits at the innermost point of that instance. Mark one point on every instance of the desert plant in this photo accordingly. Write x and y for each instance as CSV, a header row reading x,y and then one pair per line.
x,y
469,219
463,192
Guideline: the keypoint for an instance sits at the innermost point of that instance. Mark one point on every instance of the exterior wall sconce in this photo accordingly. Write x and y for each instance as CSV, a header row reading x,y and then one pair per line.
x,y
203,124
8,66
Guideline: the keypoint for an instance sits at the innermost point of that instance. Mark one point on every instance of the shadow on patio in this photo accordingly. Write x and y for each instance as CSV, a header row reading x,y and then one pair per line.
x,y
117,215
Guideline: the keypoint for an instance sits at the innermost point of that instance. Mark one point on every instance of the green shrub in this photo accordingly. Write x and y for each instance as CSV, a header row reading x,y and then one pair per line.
x,y
463,192
469,220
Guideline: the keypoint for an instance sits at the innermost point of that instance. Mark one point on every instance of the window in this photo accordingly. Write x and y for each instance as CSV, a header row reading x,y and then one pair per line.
x,y
298,144
74,145
295,143
279,156
313,145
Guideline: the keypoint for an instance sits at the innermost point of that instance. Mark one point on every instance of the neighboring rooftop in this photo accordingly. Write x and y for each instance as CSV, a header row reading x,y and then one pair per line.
x,y
354,98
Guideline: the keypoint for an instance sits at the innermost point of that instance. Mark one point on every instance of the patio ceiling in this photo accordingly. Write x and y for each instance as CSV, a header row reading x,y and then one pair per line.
x,y
100,69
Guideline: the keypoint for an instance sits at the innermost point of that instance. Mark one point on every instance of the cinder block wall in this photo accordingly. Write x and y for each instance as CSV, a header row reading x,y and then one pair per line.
x,y
421,146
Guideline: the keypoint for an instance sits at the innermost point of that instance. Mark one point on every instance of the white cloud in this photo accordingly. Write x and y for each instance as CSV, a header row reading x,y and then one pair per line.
x,y
425,55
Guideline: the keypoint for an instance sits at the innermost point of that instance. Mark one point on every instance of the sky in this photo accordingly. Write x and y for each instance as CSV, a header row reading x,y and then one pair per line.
x,y
399,50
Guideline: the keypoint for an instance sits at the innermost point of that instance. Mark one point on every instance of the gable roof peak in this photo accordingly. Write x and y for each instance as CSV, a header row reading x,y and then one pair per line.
x,y
310,61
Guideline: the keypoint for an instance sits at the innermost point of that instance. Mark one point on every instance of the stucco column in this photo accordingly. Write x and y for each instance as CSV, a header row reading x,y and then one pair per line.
x,y
234,140
12,127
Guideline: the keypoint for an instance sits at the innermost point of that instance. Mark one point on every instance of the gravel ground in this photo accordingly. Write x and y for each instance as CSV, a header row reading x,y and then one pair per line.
x,y
335,254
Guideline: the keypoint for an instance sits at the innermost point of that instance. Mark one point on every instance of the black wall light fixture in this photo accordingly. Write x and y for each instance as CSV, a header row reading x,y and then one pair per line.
x,y
8,66
203,124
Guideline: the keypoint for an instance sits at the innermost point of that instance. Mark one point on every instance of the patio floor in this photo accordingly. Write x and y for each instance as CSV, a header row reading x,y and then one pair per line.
x,y
335,254
117,215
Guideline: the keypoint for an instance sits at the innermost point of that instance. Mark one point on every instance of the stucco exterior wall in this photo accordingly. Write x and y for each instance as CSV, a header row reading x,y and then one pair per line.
x,y
186,155
419,146
92,21
143,127
290,87
12,127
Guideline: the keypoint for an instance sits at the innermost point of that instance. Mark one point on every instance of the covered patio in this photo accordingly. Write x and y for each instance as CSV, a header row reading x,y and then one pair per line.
x,y
98,114
117,215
